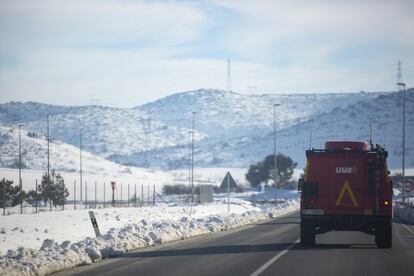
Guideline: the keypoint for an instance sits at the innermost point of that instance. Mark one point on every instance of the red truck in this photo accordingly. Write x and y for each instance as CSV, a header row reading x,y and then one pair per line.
x,y
346,187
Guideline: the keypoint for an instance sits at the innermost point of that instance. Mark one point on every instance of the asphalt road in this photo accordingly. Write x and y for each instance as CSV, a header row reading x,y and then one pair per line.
x,y
269,248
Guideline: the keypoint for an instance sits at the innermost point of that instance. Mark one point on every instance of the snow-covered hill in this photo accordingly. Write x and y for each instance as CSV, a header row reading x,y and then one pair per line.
x,y
63,157
105,130
331,117
240,127
220,113
232,129
349,123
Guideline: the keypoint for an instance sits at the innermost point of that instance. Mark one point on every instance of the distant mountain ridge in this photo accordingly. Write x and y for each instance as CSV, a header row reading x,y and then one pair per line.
x,y
218,110
232,129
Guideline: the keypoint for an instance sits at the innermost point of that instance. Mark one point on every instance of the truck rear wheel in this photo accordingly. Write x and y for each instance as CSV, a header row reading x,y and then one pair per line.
x,y
307,232
383,234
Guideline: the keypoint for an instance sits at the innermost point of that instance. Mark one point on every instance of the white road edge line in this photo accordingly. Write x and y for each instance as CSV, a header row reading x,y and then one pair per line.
x,y
274,259
405,226
408,228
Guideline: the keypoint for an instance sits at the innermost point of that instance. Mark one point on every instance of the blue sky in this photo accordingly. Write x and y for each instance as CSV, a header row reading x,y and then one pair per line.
x,y
126,53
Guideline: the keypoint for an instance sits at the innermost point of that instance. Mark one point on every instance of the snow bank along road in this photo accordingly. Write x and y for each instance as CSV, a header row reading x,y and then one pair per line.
x,y
267,248
39,244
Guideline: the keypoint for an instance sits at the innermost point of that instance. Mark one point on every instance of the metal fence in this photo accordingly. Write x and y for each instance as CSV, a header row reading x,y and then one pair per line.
x,y
94,195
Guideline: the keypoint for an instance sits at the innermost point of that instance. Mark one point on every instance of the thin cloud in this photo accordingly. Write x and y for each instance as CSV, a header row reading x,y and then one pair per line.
x,y
95,23
303,27
127,53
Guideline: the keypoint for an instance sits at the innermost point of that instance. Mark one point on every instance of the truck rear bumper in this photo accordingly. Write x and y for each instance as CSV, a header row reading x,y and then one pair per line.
x,y
326,223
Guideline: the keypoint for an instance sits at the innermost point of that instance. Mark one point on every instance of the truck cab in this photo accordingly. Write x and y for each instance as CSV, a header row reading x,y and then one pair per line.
x,y
346,187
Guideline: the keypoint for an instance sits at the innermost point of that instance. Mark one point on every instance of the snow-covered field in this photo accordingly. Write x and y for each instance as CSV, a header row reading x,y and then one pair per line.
x,y
38,244
215,175
138,176
143,178
212,176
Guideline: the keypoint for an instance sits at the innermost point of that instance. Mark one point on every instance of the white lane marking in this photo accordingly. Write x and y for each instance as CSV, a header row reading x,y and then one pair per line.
x,y
274,259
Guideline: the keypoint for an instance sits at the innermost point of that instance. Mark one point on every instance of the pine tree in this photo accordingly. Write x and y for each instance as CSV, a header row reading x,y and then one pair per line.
x,y
264,171
10,195
257,174
285,167
52,189
32,197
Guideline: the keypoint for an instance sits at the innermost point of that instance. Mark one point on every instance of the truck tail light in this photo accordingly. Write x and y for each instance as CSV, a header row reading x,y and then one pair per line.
x,y
312,201
385,206
385,203
310,194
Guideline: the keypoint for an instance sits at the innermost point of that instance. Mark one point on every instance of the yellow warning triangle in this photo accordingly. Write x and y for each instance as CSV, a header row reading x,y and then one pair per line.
x,y
347,188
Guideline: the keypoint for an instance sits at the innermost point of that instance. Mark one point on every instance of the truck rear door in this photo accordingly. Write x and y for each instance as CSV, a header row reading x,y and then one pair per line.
x,y
347,184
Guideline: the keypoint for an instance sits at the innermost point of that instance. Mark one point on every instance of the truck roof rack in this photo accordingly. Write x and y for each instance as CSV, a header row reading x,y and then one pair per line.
x,y
343,147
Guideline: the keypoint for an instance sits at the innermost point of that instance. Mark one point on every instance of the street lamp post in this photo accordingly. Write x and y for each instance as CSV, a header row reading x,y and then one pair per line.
x,y
274,150
401,84
189,159
48,163
80,162
20,168
48,139
192,158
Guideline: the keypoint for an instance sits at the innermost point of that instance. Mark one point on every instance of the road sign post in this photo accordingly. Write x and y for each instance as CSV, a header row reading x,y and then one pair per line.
x,y
94,224
228,192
